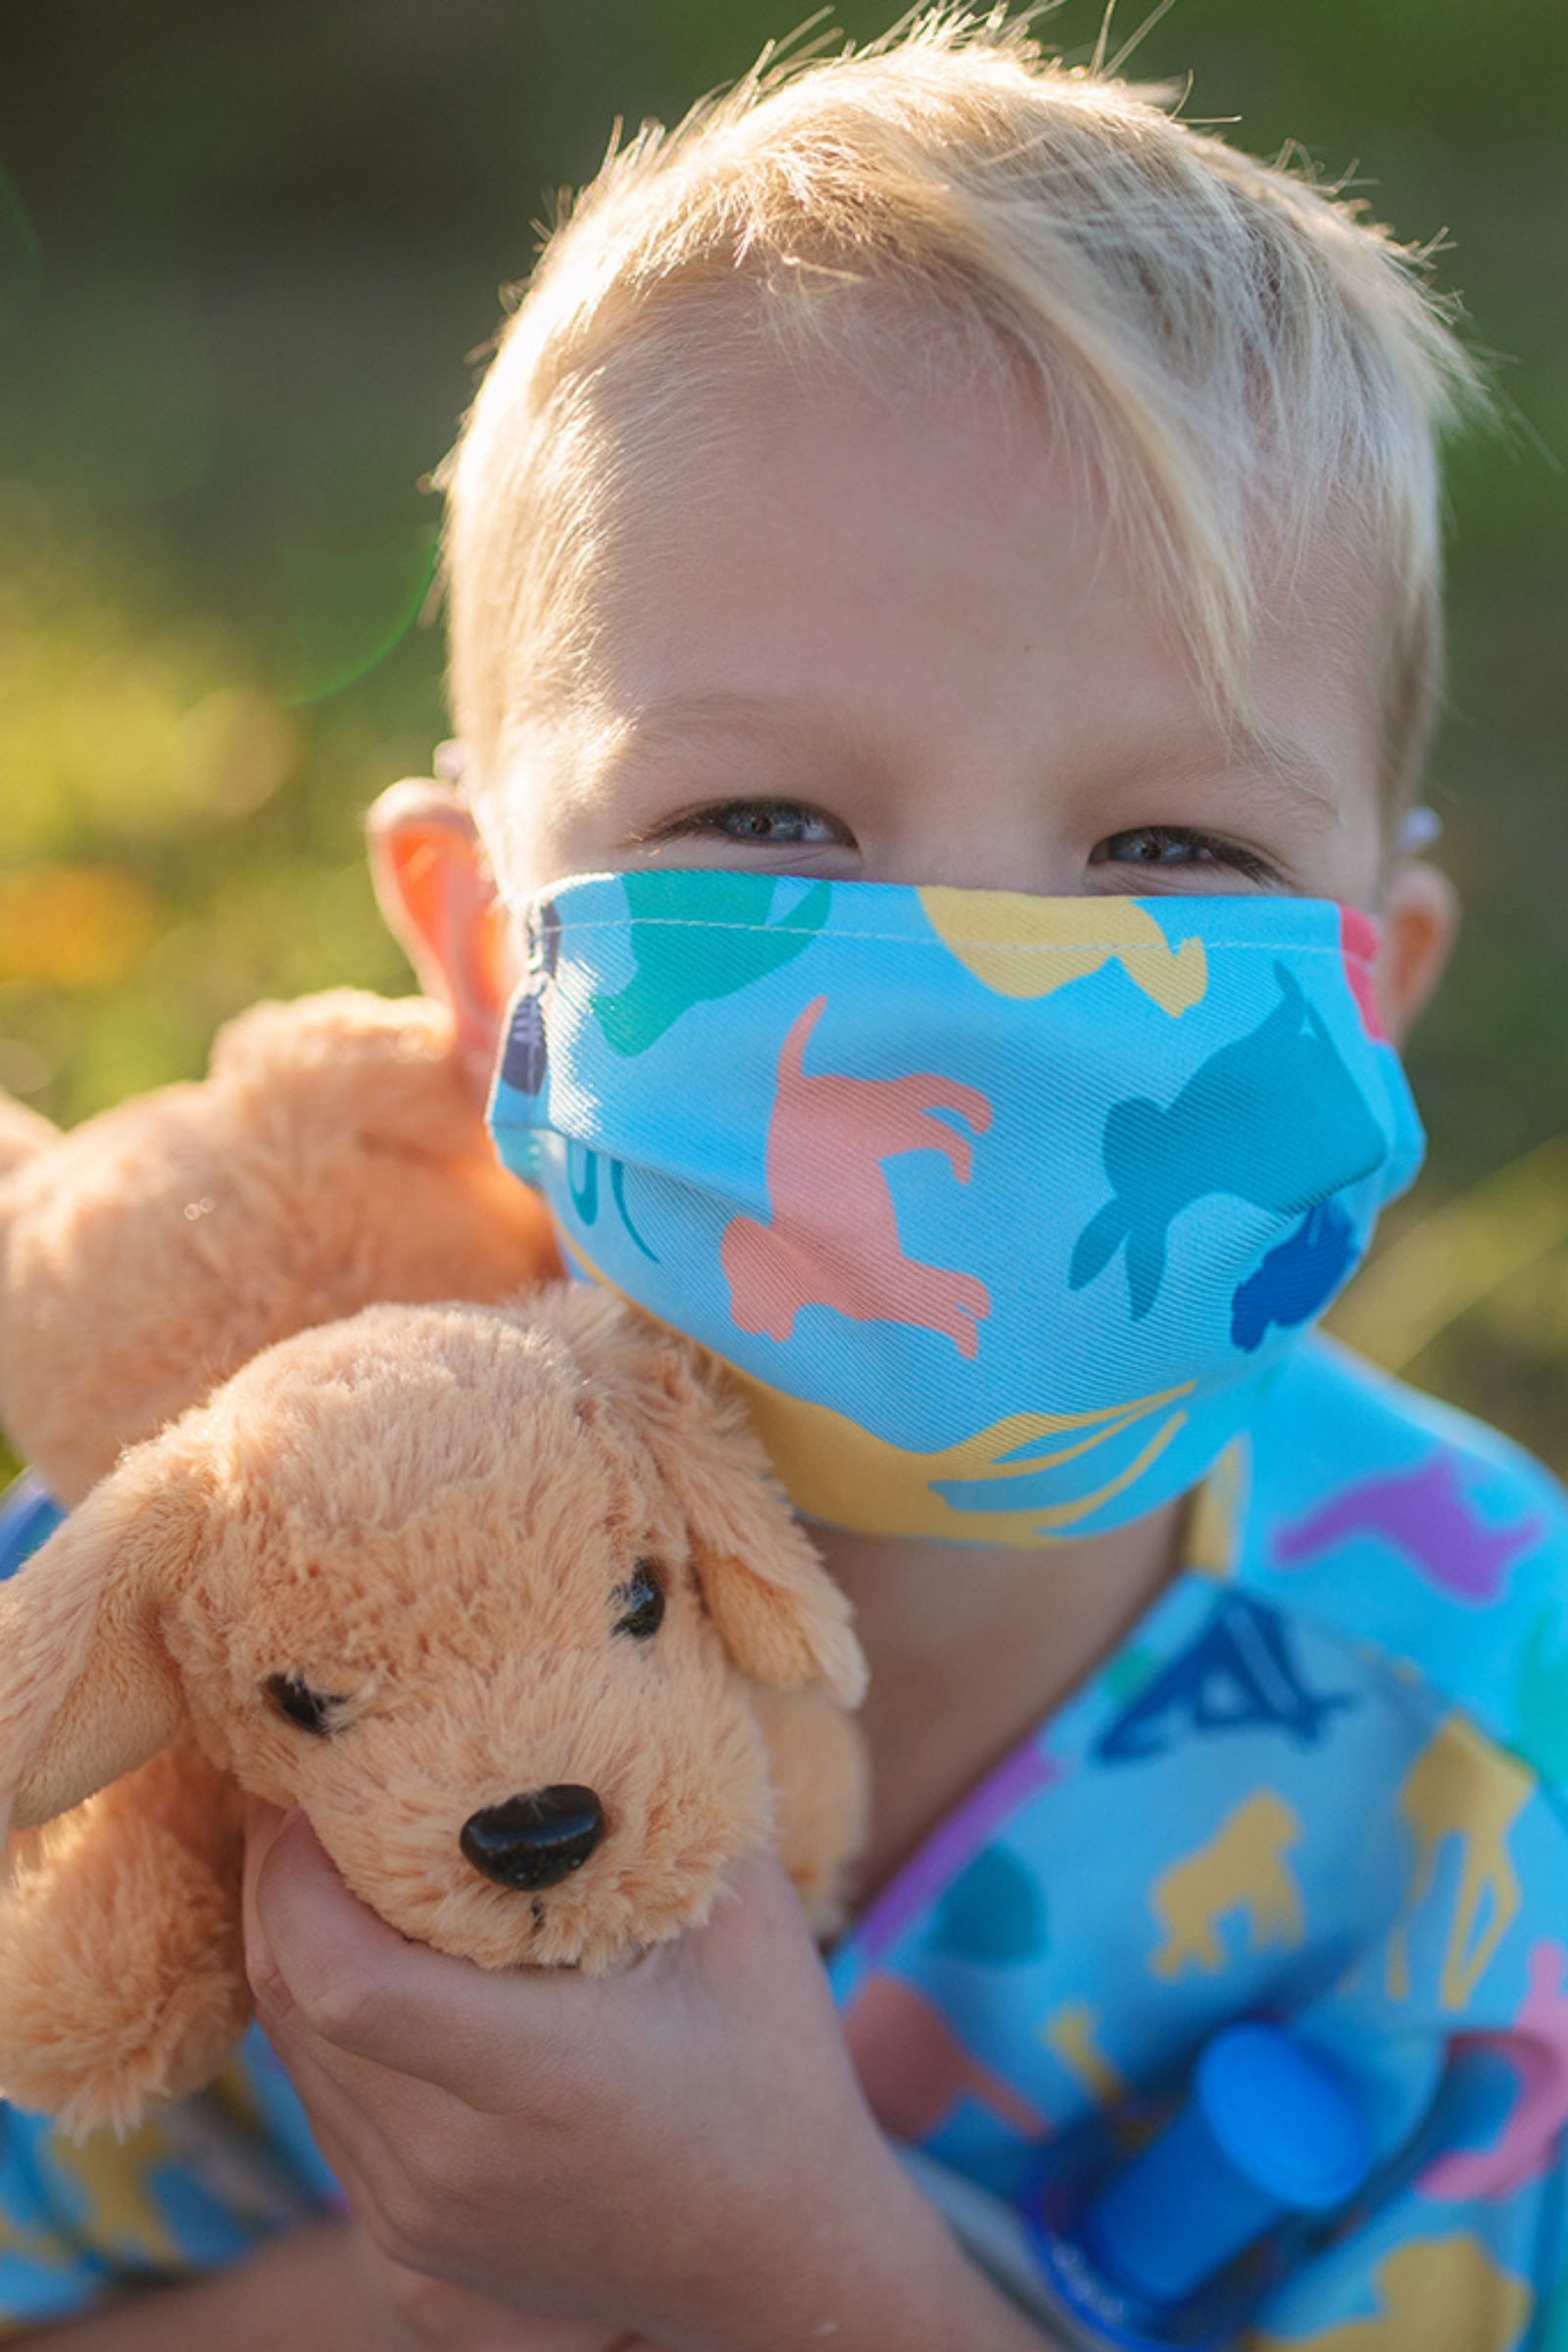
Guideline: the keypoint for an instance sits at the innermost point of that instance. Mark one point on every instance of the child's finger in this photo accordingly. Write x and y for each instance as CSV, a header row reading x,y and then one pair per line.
x,y
330,1974
310,1943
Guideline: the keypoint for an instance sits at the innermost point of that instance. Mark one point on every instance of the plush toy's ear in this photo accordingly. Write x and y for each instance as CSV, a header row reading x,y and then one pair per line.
x,y
781,1617
354,1063
88,1688
22,1134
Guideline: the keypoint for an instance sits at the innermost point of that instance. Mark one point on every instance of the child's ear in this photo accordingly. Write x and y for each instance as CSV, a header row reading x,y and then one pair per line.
x,y
1420,919
438,896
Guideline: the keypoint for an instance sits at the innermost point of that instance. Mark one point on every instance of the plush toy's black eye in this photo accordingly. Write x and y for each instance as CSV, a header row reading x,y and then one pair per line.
x,y
642,1602
317,1711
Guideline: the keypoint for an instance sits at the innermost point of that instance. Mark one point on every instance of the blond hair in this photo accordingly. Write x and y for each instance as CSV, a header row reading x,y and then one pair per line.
x,y
1245,358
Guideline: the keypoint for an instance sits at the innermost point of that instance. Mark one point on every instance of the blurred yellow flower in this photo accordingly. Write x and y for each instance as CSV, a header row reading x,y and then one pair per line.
x,y
72,926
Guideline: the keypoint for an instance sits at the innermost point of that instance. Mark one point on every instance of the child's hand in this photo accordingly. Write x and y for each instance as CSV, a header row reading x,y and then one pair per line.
x,y
681,2150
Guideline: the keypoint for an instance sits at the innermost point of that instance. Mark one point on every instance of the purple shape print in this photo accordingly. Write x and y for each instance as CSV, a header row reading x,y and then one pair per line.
x,y
1427,1517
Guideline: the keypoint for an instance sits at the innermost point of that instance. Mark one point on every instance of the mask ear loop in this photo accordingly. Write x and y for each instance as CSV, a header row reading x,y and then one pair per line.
x,y
1420,828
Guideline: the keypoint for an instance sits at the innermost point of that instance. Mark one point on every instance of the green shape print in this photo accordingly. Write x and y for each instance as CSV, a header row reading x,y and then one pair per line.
x,y
1541,1706
681,964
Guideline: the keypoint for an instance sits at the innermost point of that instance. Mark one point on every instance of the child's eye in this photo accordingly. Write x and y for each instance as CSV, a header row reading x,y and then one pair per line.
x,y
1179,849
756,824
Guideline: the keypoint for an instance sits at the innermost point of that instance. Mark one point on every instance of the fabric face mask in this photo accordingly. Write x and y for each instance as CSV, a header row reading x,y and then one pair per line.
x,y
1002,1209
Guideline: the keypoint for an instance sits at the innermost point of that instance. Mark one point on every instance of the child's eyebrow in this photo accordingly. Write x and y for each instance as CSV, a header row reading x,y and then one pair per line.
x,y
653,734
718,707
1249,739
1256,744
784,722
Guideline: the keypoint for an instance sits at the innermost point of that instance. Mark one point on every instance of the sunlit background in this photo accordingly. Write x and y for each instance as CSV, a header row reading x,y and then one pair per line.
x,y
247,258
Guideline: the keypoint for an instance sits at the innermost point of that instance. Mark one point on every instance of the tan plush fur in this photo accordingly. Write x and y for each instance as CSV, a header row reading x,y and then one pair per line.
x,y
438,1518
331,1158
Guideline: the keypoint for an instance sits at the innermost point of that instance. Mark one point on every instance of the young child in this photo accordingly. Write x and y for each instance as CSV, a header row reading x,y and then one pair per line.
x,y
944,576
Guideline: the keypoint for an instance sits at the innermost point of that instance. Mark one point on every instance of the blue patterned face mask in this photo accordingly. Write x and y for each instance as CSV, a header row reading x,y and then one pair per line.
x,y
1001,1208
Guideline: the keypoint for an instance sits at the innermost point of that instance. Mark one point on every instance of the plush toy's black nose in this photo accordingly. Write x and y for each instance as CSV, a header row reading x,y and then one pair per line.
x,y
535,1841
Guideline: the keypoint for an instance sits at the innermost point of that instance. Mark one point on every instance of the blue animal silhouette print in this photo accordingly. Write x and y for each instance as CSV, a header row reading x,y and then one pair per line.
x,y
1294,1279
1239,1676
29,1514
585,1192
526,1062
1308,1134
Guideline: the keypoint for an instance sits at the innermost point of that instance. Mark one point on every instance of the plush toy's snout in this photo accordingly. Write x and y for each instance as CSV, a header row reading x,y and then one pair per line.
x,y
535,1841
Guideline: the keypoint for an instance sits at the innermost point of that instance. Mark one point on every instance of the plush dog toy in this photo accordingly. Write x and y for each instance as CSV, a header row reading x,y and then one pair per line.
x,y
331,1158
504,1597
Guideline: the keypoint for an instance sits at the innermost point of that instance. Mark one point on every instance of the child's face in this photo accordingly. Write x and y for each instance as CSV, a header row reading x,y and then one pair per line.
x,y
885,630
889,634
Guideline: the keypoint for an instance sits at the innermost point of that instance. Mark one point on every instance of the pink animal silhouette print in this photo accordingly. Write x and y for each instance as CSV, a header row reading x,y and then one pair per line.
x,y
1358,948
914,2070
1536,2047
832,1239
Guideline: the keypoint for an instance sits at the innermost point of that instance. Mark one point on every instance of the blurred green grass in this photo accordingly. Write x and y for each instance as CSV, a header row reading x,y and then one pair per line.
x,y
245,264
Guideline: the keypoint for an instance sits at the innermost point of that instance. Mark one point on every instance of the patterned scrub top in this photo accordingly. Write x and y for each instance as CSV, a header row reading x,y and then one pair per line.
x,y
1320,1781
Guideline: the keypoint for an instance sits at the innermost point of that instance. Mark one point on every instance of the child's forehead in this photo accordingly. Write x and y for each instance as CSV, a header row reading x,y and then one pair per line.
x,y
886,421
886,387
887,453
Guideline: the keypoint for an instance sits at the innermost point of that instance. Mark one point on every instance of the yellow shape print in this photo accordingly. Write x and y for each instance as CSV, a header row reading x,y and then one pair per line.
x,y
1023,947
45,2249
1208,1539
1434,2294
1068,2034
840,1473
1460,1787
1241,1868
121,2218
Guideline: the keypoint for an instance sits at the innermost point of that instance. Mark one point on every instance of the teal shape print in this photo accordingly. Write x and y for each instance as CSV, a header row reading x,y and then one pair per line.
x,y
682,963
993,1913
1274,1117
1541,1707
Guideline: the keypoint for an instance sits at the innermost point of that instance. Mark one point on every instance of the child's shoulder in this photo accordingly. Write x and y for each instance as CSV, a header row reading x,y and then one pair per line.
x,y
1416,1530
